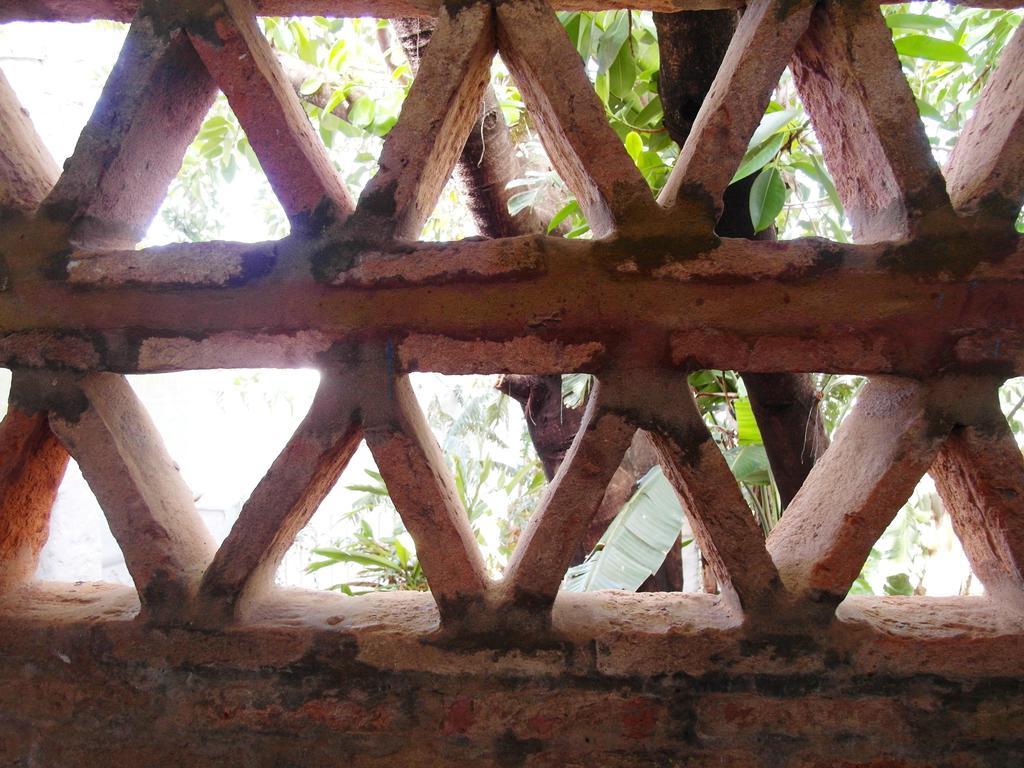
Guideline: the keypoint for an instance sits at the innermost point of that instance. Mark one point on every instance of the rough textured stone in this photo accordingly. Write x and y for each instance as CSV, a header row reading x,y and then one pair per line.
x,y
663,680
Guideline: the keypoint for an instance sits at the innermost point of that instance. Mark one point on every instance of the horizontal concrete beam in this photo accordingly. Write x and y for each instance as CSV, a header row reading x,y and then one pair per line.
x,y
531,304
623,680
123,10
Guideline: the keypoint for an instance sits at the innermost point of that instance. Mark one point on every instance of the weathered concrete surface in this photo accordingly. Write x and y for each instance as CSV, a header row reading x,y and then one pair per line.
x,y
123,10
323,680
849,75
801,305
290,152
32,464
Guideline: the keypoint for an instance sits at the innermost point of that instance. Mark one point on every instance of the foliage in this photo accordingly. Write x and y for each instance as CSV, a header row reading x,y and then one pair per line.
x,y
385,564
620,49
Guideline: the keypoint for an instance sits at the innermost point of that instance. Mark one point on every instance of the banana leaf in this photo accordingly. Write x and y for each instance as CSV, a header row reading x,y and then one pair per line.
x,y
636,542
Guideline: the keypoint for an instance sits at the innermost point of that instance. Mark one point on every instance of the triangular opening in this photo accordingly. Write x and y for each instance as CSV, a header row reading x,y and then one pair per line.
x,y
621,56
79,545
783,188
224,428
582,144
220,192
529,188
640,538
504,184
919,553
351,79
351,94
352,538
5,389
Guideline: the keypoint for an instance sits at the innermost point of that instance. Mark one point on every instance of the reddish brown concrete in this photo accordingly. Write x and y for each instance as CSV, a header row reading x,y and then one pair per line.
x,y
661,680
852,83
980,474
32,463
985,170
570,119
291,154
123,10
802,305
27,172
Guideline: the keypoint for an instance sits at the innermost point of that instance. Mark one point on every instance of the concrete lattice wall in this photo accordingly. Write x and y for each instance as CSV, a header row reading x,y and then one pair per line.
x,y
206,662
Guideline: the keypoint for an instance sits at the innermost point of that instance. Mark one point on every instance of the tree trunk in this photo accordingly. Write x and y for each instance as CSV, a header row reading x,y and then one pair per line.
x,y
552,426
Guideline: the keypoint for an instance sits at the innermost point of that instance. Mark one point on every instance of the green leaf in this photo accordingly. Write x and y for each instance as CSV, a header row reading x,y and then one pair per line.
x,y
311,85
931,48
749,464
927,110
636,542
522,201
342,556
402,552
569,209
622,74
336,98
575,388
307,49
346,128
767,197
337,55
816,171
772,123
746,424
319,564
381,128
898,584
362,112
919,22
652,114
758,157
634,146
376,490
611,43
